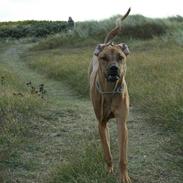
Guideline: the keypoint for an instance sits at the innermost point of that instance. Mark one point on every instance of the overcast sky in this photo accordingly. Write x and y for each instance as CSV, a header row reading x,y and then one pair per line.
x,y
80,10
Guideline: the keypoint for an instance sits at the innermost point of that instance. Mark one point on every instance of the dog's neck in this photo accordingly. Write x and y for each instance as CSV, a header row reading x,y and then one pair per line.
x,y
108,87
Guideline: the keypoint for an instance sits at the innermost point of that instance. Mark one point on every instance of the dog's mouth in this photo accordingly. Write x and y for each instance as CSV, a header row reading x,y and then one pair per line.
x,y
112,78
113,74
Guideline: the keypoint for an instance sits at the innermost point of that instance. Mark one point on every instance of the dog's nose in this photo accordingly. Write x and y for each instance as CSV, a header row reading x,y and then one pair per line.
x,y
113,68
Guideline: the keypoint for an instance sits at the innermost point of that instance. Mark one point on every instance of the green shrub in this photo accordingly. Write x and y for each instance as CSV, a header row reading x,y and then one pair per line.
x,y
31,28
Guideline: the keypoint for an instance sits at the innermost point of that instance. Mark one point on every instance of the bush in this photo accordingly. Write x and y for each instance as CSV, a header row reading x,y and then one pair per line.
x,y
31,28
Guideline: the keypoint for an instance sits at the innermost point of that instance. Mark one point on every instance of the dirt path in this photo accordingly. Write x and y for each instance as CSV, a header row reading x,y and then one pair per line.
x,y
70,118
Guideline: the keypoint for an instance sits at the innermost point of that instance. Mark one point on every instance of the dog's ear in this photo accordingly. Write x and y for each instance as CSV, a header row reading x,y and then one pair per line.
x,y
99,48
124,48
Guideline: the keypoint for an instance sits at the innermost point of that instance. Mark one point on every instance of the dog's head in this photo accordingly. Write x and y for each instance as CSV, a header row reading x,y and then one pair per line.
x,y
112,60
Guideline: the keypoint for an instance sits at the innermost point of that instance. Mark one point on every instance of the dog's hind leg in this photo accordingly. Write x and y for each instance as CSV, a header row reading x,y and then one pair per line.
x,y
105,140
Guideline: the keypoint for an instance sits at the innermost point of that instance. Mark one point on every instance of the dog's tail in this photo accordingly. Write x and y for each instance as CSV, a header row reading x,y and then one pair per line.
x,y
117,29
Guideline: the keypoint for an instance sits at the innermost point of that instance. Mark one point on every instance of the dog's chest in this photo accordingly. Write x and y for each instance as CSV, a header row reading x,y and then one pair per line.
x,y
108,108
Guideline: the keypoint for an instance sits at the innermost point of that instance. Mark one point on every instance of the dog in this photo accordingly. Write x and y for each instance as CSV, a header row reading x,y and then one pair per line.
x,y
109,95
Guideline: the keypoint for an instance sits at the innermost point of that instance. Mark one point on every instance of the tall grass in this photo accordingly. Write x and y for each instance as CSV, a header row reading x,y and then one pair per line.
x,y
86,166
64,65
93,32
155,83
17,114
154,77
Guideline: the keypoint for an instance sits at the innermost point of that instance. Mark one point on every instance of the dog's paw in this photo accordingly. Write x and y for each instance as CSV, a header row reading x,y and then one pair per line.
x,y
110,170
125,178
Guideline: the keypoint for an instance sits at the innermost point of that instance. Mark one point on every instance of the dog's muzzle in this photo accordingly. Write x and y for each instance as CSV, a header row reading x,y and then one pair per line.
x,y
113,73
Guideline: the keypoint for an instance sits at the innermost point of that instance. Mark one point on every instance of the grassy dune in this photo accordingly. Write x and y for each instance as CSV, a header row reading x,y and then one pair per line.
x,y
140,26
134,27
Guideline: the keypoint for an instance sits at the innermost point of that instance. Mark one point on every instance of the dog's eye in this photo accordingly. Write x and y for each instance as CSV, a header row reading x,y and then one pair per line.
x,y
104,58
121,57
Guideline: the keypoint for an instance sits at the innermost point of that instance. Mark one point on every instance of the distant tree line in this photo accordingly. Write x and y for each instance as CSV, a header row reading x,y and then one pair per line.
x,y
32,28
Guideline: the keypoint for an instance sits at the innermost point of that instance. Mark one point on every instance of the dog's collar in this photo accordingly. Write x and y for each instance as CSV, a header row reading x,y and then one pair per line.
x,y
117,89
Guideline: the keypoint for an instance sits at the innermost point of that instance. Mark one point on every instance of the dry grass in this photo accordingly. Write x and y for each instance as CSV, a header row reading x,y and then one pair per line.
x,y
154,79
17,114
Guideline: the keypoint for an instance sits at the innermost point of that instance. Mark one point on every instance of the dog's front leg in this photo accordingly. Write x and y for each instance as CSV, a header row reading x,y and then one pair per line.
x,y
105,140
121,115
123,142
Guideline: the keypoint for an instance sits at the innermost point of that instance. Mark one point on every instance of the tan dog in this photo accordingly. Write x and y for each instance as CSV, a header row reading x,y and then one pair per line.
x,y
109,95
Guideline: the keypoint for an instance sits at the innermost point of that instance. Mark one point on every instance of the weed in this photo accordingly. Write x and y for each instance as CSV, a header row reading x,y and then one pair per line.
x,y
2,80
40,91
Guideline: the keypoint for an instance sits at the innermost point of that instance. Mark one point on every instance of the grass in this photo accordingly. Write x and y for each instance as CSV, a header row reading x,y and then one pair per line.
x,y
140,26
154,76
64,65
93,32
86,166
17,114
157,85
